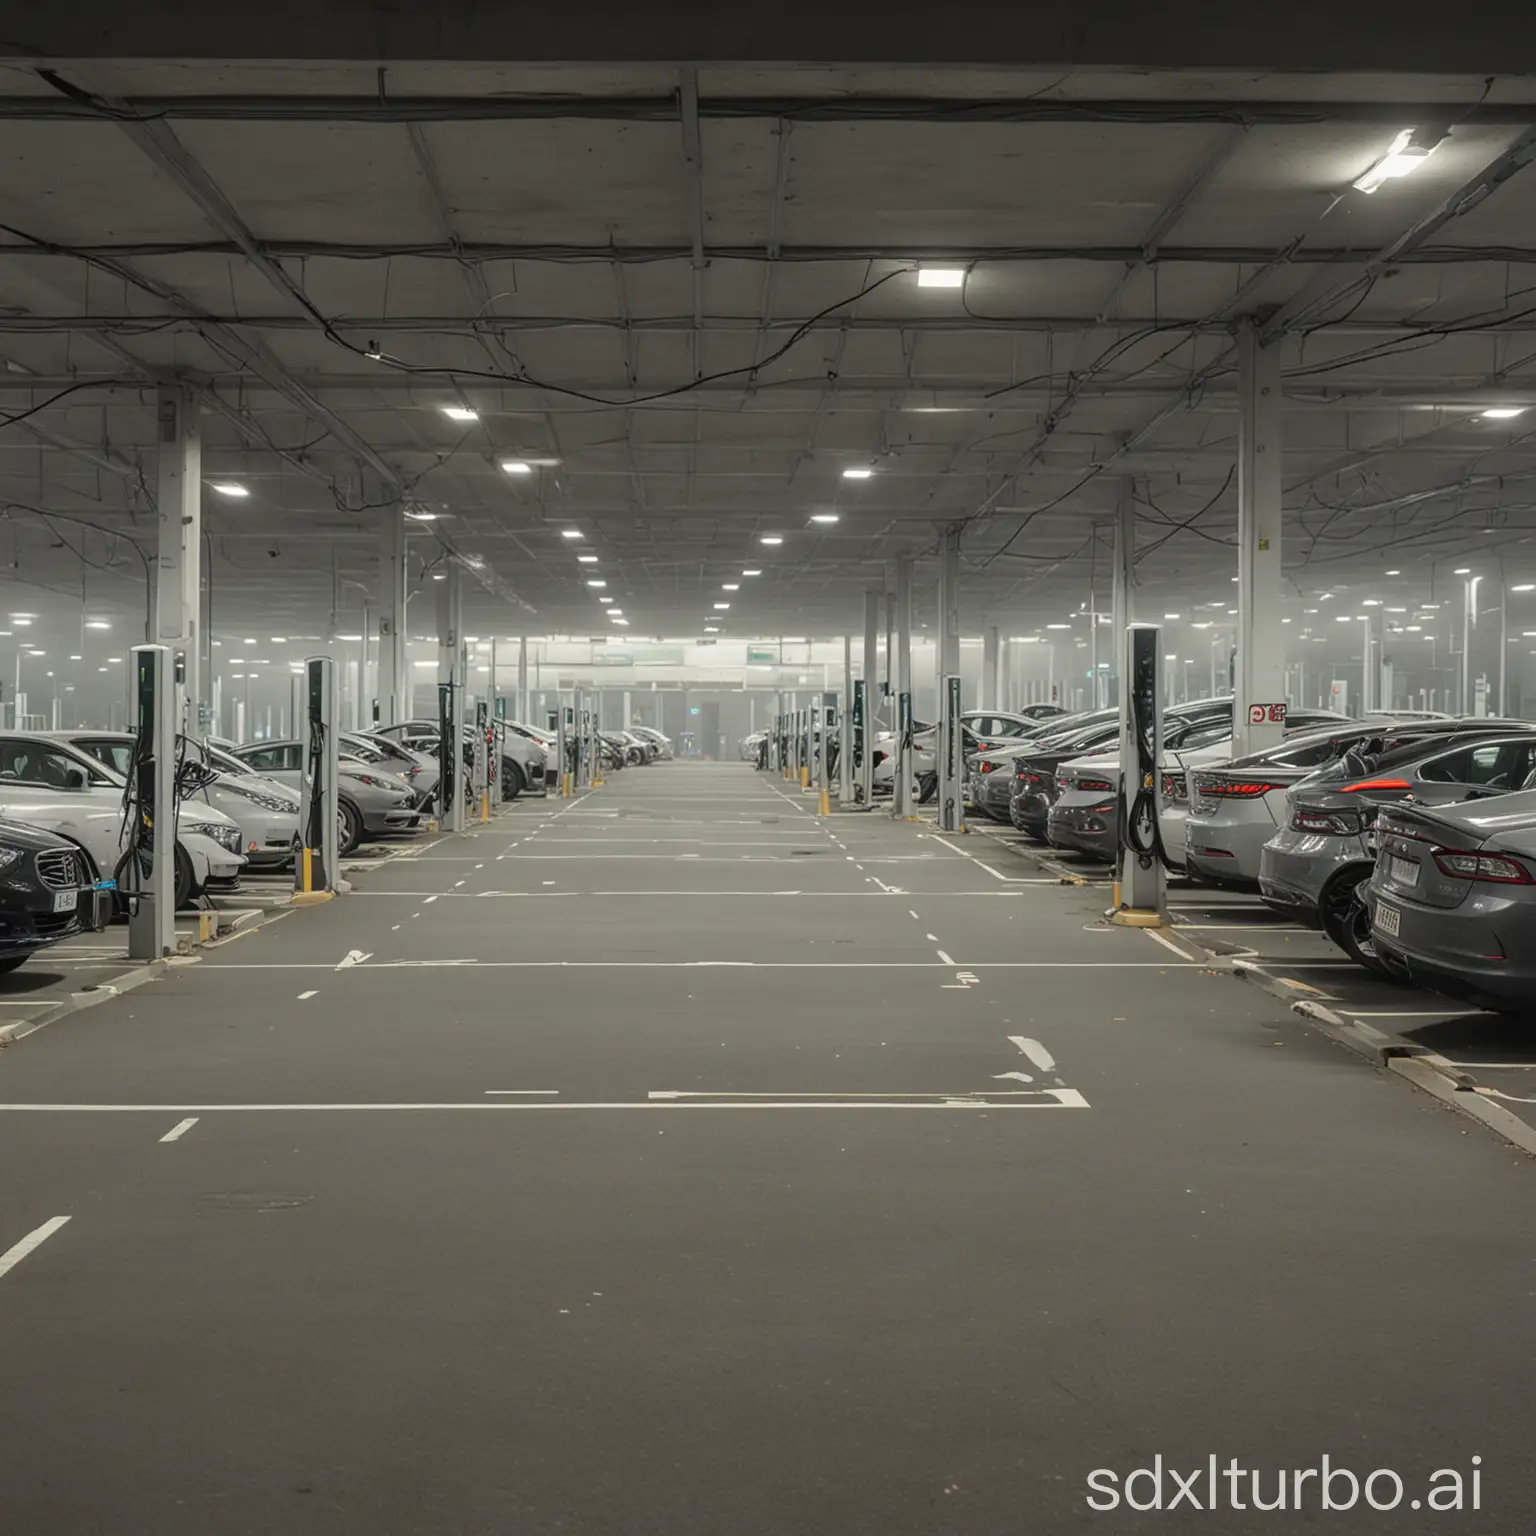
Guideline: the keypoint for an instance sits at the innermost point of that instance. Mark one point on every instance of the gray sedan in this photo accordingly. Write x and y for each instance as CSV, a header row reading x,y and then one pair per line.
x,y
1453,898
370,799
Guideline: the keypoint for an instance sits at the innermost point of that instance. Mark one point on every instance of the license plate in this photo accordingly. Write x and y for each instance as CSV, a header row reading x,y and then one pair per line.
x,y
1404,871
64,901
1387,920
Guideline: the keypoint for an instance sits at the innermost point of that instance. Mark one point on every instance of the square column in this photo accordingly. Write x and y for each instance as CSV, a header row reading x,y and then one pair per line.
x,y
394,681
1123,600
179,549
991,646
1258,717
900,616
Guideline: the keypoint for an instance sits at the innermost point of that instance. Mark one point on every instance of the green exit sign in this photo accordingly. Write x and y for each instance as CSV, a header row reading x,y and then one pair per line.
x,y
762,656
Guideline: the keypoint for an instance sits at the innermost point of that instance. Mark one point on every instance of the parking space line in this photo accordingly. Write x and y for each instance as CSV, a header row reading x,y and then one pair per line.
x,y
30,1243
180,1129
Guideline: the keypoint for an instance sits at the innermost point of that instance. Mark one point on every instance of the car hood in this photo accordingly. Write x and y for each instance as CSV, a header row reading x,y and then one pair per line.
x,y
16,834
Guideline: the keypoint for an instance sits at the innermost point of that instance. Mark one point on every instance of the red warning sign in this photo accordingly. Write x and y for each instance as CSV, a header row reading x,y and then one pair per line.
x,y
1262,714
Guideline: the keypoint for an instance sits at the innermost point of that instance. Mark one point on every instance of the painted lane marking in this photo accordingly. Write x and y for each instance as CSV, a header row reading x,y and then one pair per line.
x,y
313,991
428,902
942,956
504,1092
913,915
766,965
1167,943
31,1242
179,1130
354,957
1045,1098
1036,1052
932,938
1023,1077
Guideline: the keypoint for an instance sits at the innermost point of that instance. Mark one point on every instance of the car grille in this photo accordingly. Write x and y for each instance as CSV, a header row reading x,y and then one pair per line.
x,y
50,923
61,869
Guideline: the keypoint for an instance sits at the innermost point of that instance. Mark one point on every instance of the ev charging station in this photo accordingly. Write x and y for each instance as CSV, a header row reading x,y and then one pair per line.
x,y
858,745
565,741
829,724
149,882
450,756
483,759
949,749
1141,883
316,873
901,791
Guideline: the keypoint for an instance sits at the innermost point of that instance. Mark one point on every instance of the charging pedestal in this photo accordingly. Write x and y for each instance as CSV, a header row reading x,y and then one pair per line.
x,y
450,757
498,743
858,744
316,876
824,754
1141,883
483,759
901,792
152,916
565,744
949,749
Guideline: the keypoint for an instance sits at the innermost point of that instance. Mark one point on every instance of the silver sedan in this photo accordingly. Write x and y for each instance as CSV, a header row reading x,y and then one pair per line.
x,y
370,799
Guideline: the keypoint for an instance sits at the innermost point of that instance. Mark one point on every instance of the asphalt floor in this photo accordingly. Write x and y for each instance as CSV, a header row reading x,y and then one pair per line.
x,y
672,1160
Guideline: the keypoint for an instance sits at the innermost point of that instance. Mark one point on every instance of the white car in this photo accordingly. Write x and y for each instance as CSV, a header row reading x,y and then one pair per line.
x,y
649,733
52,785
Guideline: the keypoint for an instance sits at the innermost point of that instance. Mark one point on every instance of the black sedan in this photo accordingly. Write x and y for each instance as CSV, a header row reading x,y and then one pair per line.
x,y
47,893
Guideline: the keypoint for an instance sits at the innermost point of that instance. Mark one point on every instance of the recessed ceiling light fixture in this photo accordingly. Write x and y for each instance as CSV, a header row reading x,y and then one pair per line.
x,y
417,515
103,624
596,582
1407,152
858,472
1462,570
517,466
1503,412
751,573
230,488
770,538
730,586
824,517
941,277
1525,586
571,533
460,413
586,559
722,605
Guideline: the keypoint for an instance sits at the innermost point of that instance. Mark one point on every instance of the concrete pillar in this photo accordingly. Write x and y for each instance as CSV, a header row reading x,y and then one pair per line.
x,y
991,643
367,681
179,547
1260,679
522,679
947,644
394,680
871,653
845,728
1123,601
1005,696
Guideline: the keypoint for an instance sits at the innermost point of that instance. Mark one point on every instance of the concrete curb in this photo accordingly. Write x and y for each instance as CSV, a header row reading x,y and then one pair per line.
x,y
77,1002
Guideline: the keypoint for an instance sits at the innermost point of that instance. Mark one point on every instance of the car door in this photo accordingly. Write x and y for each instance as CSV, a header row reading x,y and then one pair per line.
x,y
1483,768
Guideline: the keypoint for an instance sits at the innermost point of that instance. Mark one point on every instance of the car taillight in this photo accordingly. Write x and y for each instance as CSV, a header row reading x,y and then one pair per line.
x,y
1350,789
985,767
1175,787
1238,789
1482,866
1092,784
1331,823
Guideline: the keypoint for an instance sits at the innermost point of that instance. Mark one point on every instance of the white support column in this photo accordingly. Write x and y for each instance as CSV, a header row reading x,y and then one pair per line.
x,y
845,728
1123,601
522,679
900,615
870,671
367,680
179,550
394,682
991,647
1260,681
450,669
947,695
1005,668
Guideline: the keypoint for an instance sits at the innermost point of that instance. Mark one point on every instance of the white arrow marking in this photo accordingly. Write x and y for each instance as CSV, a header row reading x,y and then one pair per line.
x,y
354,957
1023,1077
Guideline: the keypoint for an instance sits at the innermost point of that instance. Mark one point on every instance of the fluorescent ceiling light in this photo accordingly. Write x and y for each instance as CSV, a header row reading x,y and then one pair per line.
x,y
421,517
517,466
722,605
249,640
1394,573
751,573
605,599
770,538
859,472
439,576
1370,602
624,622
586,559
1525,586
1503,412
613,613
1058,626
571,533
423,663
1462,570
1408,151
596,582
20,622
826,517
103,624
228,488
1171,615
460,413
37,653
711,629
730,586
941,277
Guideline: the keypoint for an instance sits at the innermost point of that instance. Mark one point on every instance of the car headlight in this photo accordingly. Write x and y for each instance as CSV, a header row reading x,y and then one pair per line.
x,y
265,801
8,856
368,778
227,837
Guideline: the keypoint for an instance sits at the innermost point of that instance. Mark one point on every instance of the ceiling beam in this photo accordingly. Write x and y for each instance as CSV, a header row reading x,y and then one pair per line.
x,y
892,251
662,108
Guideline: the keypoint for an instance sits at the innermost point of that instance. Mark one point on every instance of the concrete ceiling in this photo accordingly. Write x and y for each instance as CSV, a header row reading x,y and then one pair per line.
x,y
689,301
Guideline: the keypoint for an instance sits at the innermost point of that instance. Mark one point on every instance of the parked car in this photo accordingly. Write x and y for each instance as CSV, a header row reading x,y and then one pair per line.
x,y
999,725
1312,868
267,815
1452,898
989,777
663,744
1034,777
369,798
1235,808
419,769
47,893
60,789
525,763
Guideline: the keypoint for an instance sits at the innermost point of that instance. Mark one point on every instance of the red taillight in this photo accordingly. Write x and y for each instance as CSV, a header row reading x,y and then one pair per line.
x,y
987,767
1481,866
1350,789
1175,787
1238,789
1092,784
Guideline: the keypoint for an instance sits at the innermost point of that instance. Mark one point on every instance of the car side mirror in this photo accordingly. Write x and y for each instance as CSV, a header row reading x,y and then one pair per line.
x,y
75,778
1354,763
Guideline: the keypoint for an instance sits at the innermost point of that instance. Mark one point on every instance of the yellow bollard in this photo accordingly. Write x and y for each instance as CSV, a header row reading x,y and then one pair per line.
x,y
805,776
485,806
825,808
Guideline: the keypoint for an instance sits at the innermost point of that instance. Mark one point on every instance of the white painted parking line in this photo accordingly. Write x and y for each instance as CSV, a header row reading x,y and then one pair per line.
x,y
766,965
30,1243
304,997
1045,1098
1036,1052
180,1129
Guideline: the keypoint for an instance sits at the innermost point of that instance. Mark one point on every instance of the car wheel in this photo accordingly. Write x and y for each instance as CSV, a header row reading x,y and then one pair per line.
x,y
183,878
349,827
1347,920
9,963
513,782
